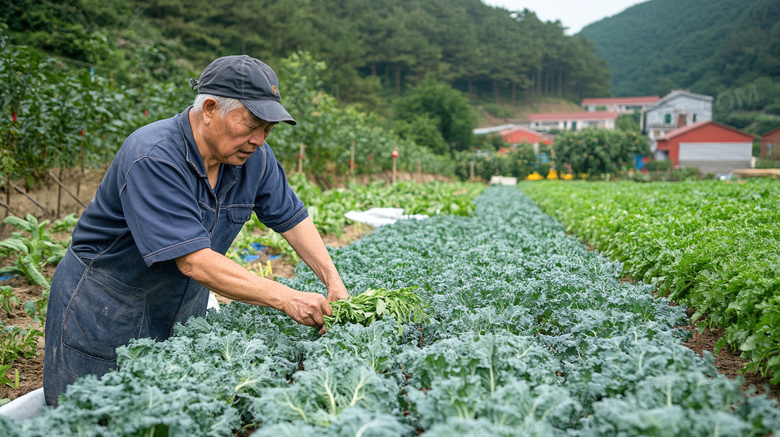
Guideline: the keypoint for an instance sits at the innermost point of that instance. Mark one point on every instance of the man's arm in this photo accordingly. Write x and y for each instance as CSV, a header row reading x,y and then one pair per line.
x,y
226,277
308,244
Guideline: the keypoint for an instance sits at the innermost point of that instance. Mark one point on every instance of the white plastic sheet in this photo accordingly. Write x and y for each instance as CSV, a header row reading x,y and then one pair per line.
x,y
25,407
381,216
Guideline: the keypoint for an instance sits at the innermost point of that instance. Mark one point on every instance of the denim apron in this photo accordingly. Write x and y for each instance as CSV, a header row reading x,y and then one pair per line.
x,y
93,310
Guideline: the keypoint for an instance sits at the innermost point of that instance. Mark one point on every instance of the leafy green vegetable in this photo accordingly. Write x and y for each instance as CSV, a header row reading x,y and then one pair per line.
x,y
529,334
711,245
365,308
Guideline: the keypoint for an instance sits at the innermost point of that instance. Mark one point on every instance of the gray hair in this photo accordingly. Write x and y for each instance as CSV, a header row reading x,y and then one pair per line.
x,y
225,104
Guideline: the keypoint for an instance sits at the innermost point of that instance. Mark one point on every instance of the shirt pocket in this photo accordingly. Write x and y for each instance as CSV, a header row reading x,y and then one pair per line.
x,y
208,217
239,214
103,314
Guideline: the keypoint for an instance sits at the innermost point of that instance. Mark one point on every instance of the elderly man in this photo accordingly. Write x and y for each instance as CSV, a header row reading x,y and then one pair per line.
x,y
151,244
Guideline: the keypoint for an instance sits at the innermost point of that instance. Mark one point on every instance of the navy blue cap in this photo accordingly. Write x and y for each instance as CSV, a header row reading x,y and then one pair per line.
x,y
247,79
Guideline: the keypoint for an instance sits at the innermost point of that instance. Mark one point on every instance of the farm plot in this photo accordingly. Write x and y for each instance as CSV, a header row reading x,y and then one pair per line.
x,y
530,334
711,245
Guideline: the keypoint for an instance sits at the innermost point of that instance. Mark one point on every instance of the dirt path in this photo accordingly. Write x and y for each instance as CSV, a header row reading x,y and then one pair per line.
x,y
728,362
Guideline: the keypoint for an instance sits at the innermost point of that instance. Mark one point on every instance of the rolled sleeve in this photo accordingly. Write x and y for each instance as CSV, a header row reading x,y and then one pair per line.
x,y
276,204
161,212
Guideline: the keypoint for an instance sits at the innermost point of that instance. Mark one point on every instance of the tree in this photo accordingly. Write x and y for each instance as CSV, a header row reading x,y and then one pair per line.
x,y
446,108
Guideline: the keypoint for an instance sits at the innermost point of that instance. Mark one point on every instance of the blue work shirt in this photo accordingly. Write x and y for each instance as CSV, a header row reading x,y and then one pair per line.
x,y
119,279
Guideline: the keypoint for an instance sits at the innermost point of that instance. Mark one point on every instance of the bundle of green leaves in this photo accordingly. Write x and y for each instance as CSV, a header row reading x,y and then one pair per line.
x,y
403,305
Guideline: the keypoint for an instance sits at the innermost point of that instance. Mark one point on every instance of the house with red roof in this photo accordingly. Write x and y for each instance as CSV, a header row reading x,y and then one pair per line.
x,y
518,134
770,145
677,109
621,105
707,145
573,120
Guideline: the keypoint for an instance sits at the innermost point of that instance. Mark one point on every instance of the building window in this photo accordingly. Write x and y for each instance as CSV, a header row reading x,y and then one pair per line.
x,y
695,117
667,118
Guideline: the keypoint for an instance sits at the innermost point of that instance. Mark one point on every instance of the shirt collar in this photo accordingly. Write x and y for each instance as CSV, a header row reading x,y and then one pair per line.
x,y
191,153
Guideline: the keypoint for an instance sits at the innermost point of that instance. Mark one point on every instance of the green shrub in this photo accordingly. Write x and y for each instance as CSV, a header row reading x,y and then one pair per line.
x,y
598,151
658,165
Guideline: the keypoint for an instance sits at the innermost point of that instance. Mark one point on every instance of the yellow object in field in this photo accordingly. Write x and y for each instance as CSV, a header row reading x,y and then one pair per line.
x,y
534,177
552,174
567,176
583,175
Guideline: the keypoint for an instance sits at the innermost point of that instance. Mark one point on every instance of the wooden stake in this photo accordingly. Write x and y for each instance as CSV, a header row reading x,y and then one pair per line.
x,y
63,187
395,157
471,174
8,209
59,193
24,193
8,196
300,159
352,162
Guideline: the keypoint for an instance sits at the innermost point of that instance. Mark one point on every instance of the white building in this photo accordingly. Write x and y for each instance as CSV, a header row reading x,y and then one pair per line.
x,y
573,120
621,105
676,109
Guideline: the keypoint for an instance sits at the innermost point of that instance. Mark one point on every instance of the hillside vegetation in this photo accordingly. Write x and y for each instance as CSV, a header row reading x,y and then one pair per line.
x,y
373,50
729,49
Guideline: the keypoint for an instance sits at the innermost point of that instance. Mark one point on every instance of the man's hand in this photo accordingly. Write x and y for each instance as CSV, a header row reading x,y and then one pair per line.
x,y
308,309
337,293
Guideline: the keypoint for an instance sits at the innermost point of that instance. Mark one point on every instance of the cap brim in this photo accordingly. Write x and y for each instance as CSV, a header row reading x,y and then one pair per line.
x,y
268,110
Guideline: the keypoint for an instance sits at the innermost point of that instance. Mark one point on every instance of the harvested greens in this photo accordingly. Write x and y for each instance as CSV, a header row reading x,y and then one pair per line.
x,y
402,304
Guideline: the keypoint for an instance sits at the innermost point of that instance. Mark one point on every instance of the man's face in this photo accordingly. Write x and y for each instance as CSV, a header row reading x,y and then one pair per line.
x,y
233,137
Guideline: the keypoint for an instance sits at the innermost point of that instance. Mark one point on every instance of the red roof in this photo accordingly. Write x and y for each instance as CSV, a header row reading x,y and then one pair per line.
x,y
517,135
520,128
621,100
695,126
583,115
771,133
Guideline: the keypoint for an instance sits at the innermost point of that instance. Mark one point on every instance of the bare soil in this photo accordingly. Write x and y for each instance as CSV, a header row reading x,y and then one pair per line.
x,y
728,362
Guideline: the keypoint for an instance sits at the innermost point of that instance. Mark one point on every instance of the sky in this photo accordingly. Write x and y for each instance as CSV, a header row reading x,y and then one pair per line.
x,y
574,14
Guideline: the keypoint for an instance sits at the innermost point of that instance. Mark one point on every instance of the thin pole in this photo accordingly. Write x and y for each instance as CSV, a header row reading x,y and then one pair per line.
x,y
8,209
300,159
32,199
63,187
59,193
395,156
8,197
471,174
352,162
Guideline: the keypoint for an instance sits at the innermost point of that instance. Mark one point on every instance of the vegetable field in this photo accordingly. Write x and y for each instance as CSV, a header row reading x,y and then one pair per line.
x,y
712,245
529,334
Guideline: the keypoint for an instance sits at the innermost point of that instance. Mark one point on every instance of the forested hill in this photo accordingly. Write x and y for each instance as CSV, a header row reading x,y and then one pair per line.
x,y
707,46
372,48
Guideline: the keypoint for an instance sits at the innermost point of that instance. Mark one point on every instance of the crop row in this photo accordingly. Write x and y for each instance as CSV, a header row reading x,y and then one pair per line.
x,y
712,245
36,244
530,334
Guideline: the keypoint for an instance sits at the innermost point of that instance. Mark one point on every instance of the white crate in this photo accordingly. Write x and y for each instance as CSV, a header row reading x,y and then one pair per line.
x,y
503,180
